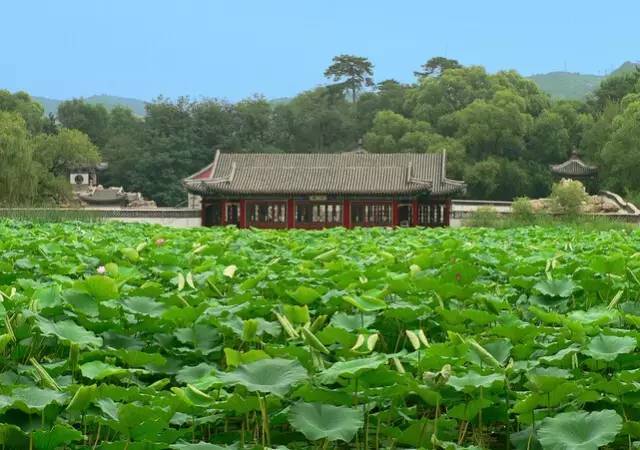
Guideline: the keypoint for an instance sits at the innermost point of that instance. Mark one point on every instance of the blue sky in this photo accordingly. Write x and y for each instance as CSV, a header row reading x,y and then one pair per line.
x,y
236,48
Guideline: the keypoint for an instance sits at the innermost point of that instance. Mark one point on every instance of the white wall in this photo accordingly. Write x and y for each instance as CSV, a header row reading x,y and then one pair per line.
x,y
178,222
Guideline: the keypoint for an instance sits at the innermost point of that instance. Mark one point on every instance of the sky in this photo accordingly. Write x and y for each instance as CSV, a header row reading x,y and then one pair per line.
x,y
237,48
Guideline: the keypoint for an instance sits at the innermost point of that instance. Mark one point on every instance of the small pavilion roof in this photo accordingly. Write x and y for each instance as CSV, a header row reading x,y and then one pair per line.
x,y
355,173
574,167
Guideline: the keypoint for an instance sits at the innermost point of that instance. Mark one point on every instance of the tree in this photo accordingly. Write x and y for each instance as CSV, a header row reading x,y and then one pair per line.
x,y
21,103
436,66
93,120
535,100
214,125
448,93
496,127
549,139
252,123
316,120
388,95
621,154
614,88
18,173
61,153
351,72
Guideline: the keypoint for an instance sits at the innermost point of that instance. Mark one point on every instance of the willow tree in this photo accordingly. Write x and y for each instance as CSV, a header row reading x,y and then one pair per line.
x,y
19,173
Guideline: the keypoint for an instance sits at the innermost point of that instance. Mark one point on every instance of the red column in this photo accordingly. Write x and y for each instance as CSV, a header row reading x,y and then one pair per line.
x,y
290,213
223,212
346,213
395,213
447,212
414,213
243,214
203,205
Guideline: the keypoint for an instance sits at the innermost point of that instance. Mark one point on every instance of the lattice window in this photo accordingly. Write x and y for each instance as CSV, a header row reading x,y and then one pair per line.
x,y
368,214
318,214
431,214
266,213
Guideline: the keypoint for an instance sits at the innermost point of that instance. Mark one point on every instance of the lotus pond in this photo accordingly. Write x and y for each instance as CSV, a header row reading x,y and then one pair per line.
x,y
117,336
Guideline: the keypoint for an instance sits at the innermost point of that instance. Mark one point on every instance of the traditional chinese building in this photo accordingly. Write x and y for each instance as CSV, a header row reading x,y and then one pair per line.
x,y
576,169
318,190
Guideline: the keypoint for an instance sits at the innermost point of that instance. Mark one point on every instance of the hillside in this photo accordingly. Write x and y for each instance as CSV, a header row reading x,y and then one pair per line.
x,y
561,85
567,85
109,101
575,86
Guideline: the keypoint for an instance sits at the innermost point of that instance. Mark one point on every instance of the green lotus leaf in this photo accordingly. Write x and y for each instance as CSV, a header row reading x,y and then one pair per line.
x,y
82,398
48,297
350,368
101,287
97,370
144,306
546,379
473,380
30,399
304,295
366,303
556,288
352,322
202,446
607,348
596,316
56,437
276,376
203,338
320,421
201,376
69,332
579,430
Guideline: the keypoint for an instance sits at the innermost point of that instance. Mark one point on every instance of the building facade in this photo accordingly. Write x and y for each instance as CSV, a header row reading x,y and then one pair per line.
x,y
320,190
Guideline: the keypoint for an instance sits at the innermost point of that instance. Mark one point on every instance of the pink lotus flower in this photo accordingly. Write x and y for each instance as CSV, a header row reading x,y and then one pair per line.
x,y
101,270
160,241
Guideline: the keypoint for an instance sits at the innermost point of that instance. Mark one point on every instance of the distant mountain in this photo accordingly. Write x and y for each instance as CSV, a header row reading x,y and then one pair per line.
x,y
108,101
575,86
567,85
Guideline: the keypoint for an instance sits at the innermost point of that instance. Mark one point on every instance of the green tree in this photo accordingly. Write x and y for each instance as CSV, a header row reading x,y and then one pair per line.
x,y
169,152
614,89
621,154
19,174
60,153
549,139
535,100
351,72
214,125
316,120
436,66
388,95
450,92
30,110
93,120
253,119
121,151
496,127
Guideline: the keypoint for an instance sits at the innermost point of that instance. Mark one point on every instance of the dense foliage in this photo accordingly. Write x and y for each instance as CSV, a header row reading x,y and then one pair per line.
x,y
140,337
501,132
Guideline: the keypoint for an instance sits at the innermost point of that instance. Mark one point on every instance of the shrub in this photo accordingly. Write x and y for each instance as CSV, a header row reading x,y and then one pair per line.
x,y
522,210
568,196
484,216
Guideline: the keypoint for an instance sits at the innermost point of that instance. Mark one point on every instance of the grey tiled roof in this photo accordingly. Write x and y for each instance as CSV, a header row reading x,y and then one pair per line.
x,y
574,167
357,173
